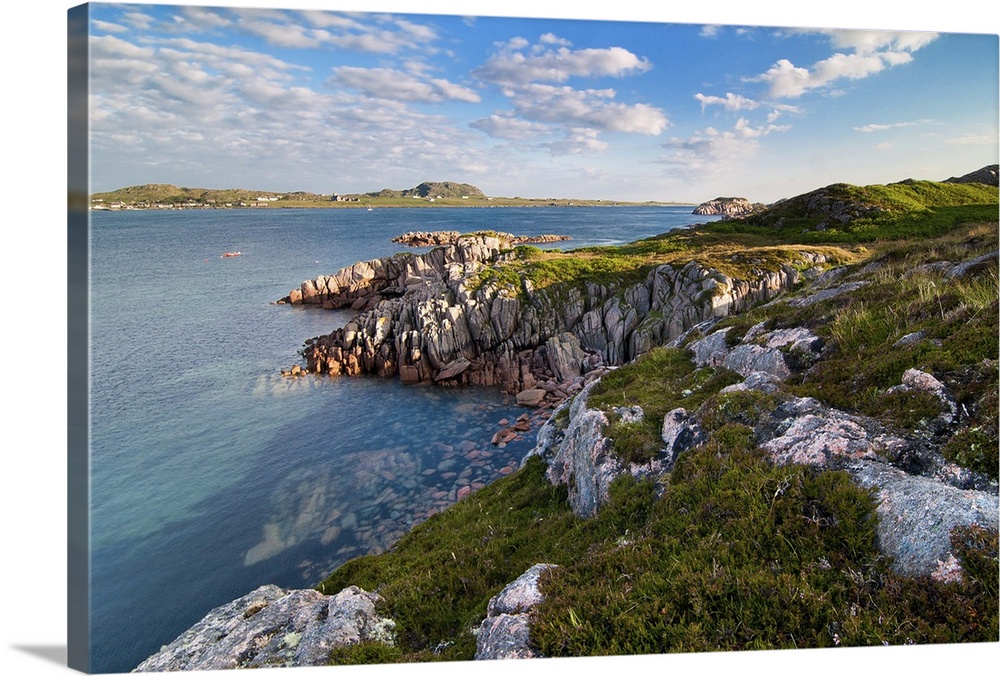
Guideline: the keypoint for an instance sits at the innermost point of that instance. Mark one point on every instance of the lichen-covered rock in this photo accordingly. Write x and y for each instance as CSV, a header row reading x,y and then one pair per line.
x,y
505,633
920,381
727,207
748,358
917,514
274,627
711,350
680,432
582,460
758,380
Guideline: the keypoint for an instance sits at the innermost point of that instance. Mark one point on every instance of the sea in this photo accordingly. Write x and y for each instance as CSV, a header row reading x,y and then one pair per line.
x,y
213,474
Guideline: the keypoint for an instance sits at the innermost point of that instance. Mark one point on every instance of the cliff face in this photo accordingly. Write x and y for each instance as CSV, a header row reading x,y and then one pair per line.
x,y
429,318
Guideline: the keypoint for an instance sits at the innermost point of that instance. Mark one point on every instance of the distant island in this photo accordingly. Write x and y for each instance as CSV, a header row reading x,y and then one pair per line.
x,y
428,193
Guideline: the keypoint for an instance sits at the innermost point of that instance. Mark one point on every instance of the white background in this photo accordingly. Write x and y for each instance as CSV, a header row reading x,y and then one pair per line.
x,y
33,269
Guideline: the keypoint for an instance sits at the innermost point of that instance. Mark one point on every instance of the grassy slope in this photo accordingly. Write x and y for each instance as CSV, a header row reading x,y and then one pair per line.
x,y
736,553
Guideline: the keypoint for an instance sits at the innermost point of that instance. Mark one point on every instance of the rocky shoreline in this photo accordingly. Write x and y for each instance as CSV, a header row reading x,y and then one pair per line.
x,y
437,318
445,237
431,318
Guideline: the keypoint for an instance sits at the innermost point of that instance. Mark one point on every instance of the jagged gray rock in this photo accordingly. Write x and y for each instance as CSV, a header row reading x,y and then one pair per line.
x,y
748,358
679,432
274,627
505,633
728,207
421,318
581,460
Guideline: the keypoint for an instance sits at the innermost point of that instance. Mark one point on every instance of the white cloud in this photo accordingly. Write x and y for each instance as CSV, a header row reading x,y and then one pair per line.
x,y
578,141
985,140
509,127
400,86
872,41
729,102
712,150
110,46
108,27
873,52
204,18
525,73
369,33
167,103
710,31
868,128
592,108
512,67
553,39
138,20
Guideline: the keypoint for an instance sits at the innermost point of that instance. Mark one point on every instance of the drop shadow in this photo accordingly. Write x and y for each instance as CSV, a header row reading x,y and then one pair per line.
x,y
50,653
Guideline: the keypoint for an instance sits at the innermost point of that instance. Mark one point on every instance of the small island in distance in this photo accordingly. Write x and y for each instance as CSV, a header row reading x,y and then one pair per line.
x,y
427,194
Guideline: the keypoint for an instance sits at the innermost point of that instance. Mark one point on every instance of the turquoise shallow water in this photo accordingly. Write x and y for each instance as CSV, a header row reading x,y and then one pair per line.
x,y
212,474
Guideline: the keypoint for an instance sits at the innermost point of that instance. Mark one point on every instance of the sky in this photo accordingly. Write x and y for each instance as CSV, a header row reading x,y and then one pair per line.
x,y
324,101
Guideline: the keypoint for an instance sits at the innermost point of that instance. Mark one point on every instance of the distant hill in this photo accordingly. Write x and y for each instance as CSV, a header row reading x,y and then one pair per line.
x,y
443,189
167,194
986,176
164,193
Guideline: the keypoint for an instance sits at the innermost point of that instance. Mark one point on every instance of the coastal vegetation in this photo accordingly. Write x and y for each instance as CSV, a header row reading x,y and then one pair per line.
x,y
730,550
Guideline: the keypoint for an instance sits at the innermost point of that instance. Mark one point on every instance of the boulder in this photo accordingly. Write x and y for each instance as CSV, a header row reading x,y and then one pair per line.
x,y
746,359
505,633
274,627
680,432
532,397
916,515
711,350
565,356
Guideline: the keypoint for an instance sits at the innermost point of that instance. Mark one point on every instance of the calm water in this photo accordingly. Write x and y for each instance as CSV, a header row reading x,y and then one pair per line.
x,y
212,474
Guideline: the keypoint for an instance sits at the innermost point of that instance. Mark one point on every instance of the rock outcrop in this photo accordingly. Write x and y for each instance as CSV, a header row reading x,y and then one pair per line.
x,y
987,176
436,318
273,627
920,496
505,634
727,207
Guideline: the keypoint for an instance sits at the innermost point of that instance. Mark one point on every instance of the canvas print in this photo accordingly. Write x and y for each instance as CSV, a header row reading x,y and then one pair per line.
x,y
427,337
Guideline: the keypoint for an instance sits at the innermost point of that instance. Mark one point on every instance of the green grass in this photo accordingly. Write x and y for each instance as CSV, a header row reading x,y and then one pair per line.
x,y
739,554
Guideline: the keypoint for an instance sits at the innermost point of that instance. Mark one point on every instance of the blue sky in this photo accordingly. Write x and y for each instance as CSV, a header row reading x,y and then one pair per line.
x,y
293,99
